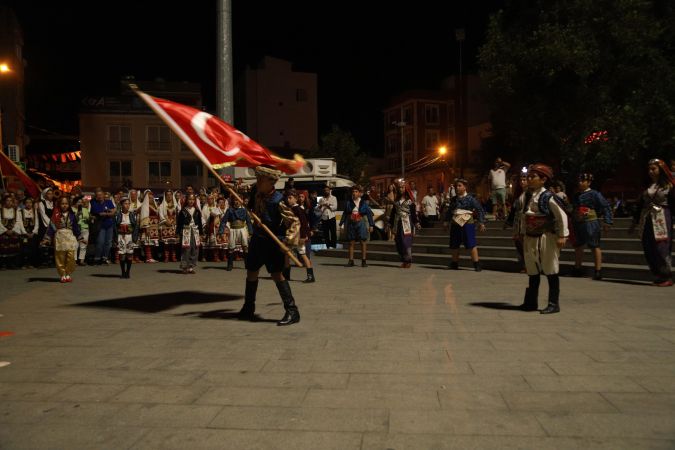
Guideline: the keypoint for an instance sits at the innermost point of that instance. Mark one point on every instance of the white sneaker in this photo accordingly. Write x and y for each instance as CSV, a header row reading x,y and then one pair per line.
x,y
4,363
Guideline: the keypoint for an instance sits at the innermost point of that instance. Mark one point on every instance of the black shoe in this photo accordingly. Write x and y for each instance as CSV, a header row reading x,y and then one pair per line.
x,y
350,263
310,276
530,303
247,311
550,309
364,263
292,314
289,319
230,263
477,267
453,265
598,275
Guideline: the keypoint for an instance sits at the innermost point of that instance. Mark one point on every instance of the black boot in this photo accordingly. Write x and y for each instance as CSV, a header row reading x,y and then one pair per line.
x,y
123,267
310,276
287,273
128,268
230,262
292,314
350,263
476,266
531,302
553,295
247,311
598,275
454,265
364,263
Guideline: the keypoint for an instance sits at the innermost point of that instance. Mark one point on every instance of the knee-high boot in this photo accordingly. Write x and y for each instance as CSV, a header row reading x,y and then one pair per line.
x,y
123,263
128,268
230,261
531,302
247,311
553,295
310,276
286,273
292,314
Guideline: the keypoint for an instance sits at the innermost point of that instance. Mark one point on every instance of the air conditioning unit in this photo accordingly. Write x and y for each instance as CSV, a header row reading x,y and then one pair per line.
x,y
319,167
14,153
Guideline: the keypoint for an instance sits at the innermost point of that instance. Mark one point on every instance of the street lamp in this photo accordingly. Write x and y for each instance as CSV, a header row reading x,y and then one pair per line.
x,y
4,68
400,126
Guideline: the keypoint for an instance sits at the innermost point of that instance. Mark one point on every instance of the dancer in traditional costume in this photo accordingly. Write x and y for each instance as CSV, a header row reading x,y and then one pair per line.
x,y
403,222
654,218
211,215
29,241
45,211
189,229
126,235
240,228
461,216
149,226
168,213
300,249
514,219
357,220
64,233
11,230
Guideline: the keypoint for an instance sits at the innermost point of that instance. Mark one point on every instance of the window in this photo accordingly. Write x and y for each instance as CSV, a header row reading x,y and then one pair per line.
x,y
407,140
431,139
158,138
392,144
431,114
119,171
159,172
119,138
191,172
301,95
407,115
391,118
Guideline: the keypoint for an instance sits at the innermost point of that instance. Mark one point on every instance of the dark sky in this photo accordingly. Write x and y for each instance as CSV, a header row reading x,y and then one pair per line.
x,y
363,54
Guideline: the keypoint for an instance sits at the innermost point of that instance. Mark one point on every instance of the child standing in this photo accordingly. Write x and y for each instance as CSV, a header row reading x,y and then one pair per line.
x,y
464,209
64,233
300,249
189,230
126,235
352,220
240,229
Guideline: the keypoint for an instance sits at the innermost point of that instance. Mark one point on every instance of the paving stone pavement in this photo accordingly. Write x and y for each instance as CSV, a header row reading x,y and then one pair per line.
x,y
383,358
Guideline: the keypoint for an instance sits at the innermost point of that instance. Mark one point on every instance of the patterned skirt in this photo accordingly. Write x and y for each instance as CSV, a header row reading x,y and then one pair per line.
x,y
9,245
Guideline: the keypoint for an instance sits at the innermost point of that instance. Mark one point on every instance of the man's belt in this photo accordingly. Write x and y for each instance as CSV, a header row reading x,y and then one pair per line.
x,y
537,225
585,214
237,224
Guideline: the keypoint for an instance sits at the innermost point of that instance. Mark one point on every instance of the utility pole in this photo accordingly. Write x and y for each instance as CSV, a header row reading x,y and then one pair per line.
x,y
224,90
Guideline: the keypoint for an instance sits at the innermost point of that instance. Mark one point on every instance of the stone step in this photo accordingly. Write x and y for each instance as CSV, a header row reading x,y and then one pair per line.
x,y
619,272
567,254
505,241
492,230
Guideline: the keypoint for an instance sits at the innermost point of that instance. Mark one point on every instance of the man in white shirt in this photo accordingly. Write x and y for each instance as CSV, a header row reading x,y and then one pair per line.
x,y
328,205
430,206
497,179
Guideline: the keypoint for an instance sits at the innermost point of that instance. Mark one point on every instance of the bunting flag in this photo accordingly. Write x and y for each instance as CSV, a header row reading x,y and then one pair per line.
x,y
9,169
216,143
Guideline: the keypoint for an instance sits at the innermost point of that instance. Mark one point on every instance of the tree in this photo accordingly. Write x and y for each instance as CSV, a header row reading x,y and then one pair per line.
x,y
582,84
340,145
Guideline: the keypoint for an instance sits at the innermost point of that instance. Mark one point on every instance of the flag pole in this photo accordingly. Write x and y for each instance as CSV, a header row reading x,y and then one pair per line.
x,y
181,134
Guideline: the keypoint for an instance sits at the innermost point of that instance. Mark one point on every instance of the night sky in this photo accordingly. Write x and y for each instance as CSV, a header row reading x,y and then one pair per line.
x,y
362,56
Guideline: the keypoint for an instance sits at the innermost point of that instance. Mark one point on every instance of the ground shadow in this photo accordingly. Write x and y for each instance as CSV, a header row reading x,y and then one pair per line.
x,y
176,271
497,305
104,275
631,282
435,267
222,314
357,265
155,303
43,280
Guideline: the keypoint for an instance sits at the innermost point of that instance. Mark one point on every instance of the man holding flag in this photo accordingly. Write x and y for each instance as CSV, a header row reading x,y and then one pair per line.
x,y
218,144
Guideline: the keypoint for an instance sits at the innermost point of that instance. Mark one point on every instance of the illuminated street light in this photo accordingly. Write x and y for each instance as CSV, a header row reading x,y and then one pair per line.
x,y
4,68
442,150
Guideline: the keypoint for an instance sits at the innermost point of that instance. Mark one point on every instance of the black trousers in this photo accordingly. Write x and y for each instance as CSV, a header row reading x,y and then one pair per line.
x,y
329,228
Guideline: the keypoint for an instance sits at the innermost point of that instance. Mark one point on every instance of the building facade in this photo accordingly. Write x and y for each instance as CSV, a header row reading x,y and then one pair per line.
x,y
12,104
123,143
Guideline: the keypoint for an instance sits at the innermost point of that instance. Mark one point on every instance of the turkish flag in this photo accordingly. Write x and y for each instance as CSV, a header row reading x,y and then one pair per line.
x,y
9,169
215,142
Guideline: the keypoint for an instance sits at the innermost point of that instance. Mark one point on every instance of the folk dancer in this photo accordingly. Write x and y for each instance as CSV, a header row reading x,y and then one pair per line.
x,y
45,211
211,215
300,249
126,235
11,230
240,228
64,234
168,212
189,229
149,225
544,230
514,219
587,205
135,205
222,233
29,241
654,219
403,222
461,217
267,203
357,220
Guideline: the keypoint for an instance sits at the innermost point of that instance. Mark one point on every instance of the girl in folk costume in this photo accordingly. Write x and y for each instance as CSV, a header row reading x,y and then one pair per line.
x,y
168,213
461,215
222,233
306,206
544,230
654,217
211,220
135,205
515,218
29,241
82,212
356,213
189,229
300,249
11,230
403,221
64,233
587,206
240,228
45,211
126,235
149,225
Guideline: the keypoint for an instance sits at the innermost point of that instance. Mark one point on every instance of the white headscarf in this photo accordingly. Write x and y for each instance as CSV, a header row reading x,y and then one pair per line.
x,y
145,207
163,207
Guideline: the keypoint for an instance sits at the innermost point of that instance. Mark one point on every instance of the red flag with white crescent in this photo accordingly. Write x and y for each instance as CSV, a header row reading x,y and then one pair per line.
x,y
216,143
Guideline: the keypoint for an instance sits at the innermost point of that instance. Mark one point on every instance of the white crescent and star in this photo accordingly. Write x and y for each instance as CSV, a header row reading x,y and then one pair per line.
x,y
198,123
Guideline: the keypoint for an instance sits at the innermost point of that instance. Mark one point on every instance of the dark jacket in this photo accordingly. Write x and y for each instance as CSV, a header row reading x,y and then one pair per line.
x,y
184,220
135,229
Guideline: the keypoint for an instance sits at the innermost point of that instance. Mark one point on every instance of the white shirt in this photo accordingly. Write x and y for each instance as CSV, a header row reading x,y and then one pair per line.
x,y
560,216
30,213
10,213
331,205
430,205
498,178
43,213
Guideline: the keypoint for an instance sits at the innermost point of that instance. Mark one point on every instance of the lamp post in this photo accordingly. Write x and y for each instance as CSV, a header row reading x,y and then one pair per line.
x,y
460,35
400,126
4,70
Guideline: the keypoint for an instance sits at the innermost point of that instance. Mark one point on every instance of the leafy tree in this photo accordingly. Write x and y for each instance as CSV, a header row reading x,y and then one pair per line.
x,y
340,144
558,71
